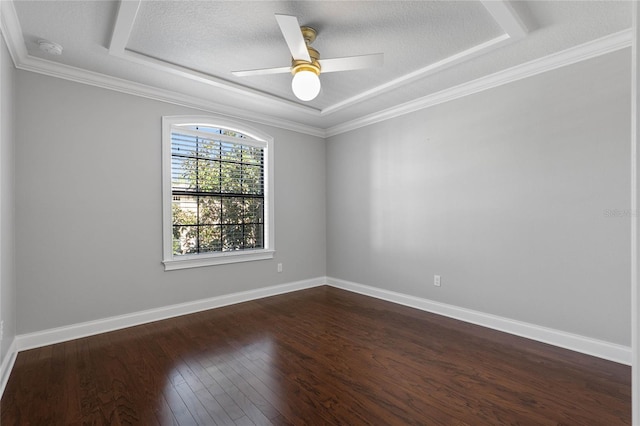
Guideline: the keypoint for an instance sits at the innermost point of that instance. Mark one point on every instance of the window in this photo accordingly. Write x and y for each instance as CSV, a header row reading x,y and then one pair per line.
x,y
217,192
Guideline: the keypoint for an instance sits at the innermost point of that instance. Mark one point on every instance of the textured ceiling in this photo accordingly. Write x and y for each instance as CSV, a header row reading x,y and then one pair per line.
x,y
191,47
220,37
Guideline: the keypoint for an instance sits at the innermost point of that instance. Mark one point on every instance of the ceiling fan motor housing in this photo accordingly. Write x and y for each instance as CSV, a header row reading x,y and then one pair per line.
x,y
298,65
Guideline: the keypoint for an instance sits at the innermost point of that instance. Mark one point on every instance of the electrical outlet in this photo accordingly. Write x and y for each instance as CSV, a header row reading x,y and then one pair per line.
x,y
436,280
1,329
279,267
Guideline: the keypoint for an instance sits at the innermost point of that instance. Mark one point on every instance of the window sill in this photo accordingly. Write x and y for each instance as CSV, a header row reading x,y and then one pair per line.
x,y
196,261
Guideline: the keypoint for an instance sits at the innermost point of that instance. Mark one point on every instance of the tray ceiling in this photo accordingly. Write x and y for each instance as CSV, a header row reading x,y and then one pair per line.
x,y
189,48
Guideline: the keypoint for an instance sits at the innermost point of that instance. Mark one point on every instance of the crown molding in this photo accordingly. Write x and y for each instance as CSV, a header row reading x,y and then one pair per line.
x,y
500,10
592,49
123,26
66,72
12,32
10,27
430,69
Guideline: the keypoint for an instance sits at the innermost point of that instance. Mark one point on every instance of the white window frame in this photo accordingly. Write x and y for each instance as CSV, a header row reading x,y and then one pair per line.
x,y
172,262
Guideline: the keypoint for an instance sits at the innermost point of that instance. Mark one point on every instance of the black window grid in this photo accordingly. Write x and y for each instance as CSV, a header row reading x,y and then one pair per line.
x,y
245,230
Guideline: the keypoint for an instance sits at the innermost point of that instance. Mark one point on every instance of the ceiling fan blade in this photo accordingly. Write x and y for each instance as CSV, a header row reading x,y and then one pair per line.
x,y
263,71
351,63
293,36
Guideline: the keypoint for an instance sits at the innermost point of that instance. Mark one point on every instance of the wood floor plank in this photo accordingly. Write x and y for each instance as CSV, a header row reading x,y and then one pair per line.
x,y
164,415
318,356
179,409
215,410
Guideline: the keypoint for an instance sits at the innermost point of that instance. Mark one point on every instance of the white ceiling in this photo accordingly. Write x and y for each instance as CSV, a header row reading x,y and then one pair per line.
x,y
184,51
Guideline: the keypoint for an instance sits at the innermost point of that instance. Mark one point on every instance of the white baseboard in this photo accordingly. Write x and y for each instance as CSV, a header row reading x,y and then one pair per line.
x,y
586,345
90,328
598,348
7,365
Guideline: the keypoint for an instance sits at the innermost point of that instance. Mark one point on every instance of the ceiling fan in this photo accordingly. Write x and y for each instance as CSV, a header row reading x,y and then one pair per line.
x,y
306,64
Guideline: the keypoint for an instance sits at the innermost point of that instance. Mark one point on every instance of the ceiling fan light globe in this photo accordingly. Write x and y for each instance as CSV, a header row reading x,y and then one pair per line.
x,y
305,85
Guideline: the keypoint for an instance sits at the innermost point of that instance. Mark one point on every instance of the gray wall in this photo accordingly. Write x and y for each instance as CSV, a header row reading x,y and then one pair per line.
x,y
88,197
517,196
7,248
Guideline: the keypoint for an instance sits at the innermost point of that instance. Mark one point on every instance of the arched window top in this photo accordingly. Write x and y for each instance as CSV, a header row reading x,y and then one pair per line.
x,y
214,123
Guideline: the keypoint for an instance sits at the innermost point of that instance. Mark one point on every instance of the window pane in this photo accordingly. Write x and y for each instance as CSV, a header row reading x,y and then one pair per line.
x,y
210,210
232,237
210,238
231,178
208,176
231,152
209,149
183,173
253,236
183,145
254,210
252,180
185,239
252,155
184,210
232,210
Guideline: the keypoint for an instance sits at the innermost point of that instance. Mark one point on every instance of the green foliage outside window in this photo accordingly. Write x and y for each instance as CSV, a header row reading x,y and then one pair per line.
x,y
218,194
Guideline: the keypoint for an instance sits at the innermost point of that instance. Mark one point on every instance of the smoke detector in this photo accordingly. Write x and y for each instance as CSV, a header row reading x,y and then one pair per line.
x,y
50,47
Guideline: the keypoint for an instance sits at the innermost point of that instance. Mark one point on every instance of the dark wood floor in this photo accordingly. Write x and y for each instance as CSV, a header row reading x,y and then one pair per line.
x,y
319,356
